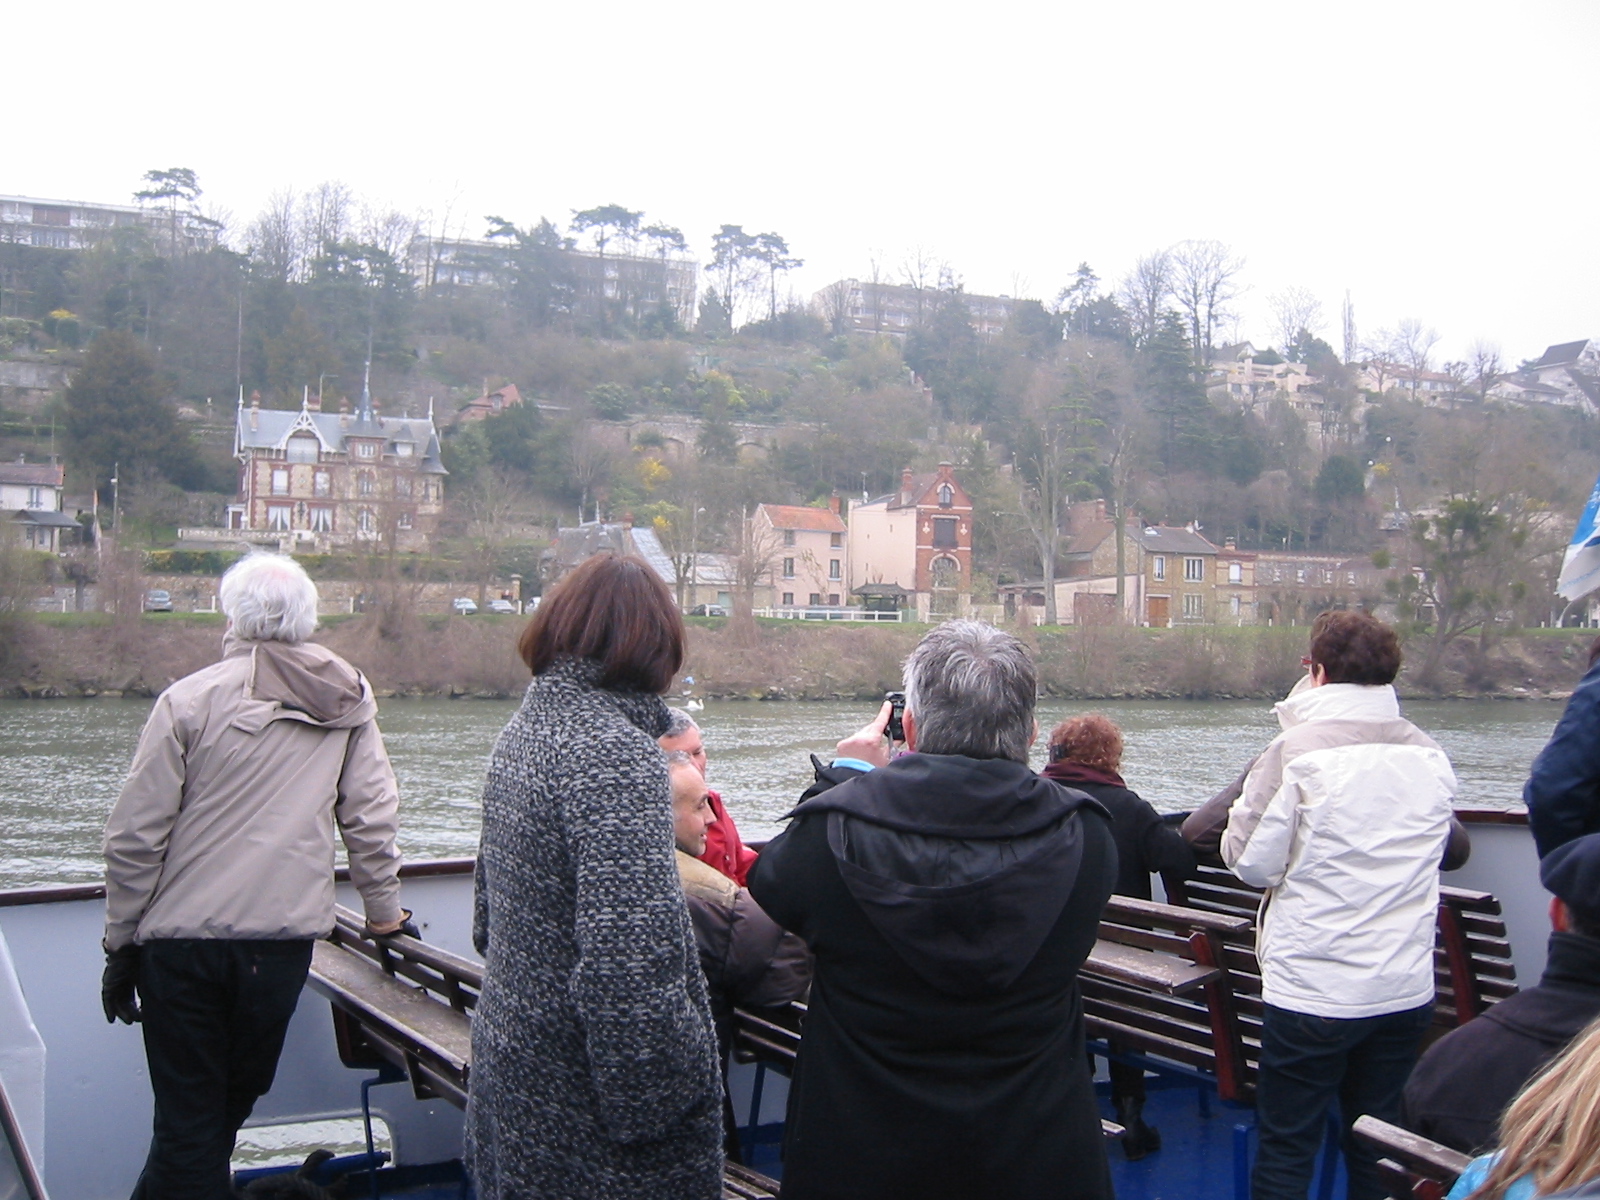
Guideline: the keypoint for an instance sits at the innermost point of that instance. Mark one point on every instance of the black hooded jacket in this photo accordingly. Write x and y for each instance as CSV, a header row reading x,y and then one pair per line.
x,y
949,903
1463,1083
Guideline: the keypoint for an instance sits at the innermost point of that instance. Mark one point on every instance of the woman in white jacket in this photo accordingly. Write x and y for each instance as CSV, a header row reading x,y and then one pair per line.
x,y
1345,817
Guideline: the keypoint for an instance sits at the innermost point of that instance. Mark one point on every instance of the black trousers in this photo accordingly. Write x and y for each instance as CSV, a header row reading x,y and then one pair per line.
x,y
215,1015
1306,1063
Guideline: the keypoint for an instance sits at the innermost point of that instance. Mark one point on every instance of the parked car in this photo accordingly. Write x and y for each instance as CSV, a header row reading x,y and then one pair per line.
x,y
503,606
158,601
708,610
463,606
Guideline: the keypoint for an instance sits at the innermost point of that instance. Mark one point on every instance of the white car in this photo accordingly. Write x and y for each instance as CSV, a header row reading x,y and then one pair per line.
x,y
463,606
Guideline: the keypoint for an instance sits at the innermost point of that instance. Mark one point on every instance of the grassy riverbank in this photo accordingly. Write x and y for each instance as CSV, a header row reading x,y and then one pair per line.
x,y
85,655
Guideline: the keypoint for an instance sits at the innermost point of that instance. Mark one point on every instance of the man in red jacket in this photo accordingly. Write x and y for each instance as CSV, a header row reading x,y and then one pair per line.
x,y
724,850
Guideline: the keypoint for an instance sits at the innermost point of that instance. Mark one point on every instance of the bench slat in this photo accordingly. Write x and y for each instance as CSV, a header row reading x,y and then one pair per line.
x,y
1159,972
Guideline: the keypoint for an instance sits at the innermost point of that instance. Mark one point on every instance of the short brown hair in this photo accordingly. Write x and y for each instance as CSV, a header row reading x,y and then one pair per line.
x,y
615,610
1093,740
1353,647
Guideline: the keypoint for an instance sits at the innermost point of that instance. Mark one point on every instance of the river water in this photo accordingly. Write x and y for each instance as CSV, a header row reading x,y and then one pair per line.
x,y
62,762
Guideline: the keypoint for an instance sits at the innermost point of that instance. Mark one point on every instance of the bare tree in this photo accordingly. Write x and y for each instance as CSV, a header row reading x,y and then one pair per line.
x,y
1347,322
1294,311
325,217
392,231
589,464
873,292
1145,292
1413,346
273,239
752,556
491,505
921,272
1053,457
1484,368
1205,281
837,305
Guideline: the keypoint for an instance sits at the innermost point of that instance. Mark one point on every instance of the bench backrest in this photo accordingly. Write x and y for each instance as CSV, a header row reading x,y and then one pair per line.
x,y
1472,951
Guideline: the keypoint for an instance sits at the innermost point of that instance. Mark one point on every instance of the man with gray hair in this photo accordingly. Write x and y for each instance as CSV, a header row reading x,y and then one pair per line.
x,y
949,896
219,864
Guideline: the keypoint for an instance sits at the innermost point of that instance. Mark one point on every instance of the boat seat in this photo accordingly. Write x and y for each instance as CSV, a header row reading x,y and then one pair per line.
x,y
407,1004
771,1039
1412,1167
1472,950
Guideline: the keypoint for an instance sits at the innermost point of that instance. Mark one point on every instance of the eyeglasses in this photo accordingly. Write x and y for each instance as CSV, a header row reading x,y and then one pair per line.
x,y
1305,662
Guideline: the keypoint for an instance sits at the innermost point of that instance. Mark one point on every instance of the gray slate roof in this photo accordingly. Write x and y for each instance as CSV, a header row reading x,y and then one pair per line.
x,y
1560,355
1166,539
273,427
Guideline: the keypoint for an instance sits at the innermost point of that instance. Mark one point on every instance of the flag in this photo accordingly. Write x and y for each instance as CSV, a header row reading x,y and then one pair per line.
x,y
1580,570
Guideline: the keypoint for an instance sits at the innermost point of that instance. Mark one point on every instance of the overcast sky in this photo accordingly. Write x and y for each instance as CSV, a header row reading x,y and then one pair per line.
x,y
1436,159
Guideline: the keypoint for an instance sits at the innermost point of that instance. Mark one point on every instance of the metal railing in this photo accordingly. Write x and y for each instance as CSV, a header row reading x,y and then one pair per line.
x,y
825,613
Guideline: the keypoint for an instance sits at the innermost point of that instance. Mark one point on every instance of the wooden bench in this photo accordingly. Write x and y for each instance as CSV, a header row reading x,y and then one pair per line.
x,y
407,1004
771,1039
1177,1012
1472,951
1412,1167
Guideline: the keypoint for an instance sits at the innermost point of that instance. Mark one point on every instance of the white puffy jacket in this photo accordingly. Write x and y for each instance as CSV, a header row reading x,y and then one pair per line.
x,y
1345,818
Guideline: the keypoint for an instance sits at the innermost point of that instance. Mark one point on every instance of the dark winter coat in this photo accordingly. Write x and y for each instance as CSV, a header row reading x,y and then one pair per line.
x,y
949,903
594,1060
749,961
1563,789
1465,1080
1146,845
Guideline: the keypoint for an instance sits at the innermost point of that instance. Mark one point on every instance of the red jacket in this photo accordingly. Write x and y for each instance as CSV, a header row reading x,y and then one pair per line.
x,y
724,850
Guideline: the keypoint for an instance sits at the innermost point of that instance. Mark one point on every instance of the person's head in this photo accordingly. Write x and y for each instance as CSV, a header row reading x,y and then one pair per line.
x,y
691,806
613,610
1093,740
1552,1128
970,689
1571,873
1594,651
683,736
269,598
1352,647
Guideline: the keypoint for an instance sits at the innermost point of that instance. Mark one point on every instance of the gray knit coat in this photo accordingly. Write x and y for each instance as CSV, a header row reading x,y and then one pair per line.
x,y
594,1057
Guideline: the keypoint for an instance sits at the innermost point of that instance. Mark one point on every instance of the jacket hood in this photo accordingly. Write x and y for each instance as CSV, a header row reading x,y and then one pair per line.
x,y
1339,701
963,865
301,681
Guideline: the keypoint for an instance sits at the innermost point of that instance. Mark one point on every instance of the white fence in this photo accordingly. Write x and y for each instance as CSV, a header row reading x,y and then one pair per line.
x,y
827,614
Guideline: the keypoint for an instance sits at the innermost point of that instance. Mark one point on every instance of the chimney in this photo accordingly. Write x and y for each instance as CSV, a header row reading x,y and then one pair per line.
x,y
1100,510
313,405
833,504
1229,544
905,487
255,411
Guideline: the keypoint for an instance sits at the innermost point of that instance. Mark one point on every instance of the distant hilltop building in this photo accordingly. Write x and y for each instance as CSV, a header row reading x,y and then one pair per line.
x,y
1567,374
490,404
323,480
631,285
895,309
79,224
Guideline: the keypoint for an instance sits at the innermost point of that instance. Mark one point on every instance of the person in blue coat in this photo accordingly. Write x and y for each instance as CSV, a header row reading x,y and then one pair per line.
x,y
1563,790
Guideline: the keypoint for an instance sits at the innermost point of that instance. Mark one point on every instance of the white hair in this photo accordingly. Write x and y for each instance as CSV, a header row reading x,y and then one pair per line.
x,y
269,598
972,689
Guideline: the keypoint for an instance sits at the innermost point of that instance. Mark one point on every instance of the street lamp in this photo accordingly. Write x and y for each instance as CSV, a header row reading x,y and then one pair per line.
x,y
694,554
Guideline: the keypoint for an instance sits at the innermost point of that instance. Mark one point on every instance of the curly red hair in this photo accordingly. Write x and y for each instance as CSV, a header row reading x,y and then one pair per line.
x,y
1093,740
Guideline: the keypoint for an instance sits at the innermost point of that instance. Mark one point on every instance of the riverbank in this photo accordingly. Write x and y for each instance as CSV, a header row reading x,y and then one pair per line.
x,y
787,660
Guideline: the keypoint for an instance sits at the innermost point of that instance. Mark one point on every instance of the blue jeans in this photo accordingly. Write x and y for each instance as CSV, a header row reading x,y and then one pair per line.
x,y
1307,1062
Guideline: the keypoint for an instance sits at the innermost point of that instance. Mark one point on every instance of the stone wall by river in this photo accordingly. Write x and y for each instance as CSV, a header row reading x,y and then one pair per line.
x,y
439,655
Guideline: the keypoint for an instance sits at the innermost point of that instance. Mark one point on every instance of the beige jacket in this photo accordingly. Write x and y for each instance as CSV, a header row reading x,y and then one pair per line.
x,y
1345,817
225,826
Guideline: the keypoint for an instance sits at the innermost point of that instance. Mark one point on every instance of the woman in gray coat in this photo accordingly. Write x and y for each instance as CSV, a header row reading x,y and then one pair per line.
x,y
594,1057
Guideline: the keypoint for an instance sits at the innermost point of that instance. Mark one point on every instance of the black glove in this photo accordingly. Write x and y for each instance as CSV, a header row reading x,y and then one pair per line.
x,y
408,927
117,995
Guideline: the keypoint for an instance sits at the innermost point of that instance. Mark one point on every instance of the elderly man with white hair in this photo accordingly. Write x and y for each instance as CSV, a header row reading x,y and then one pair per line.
x,y
220,858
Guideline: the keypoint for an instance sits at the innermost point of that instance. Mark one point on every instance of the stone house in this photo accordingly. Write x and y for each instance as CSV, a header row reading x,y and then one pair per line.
x,y
326,480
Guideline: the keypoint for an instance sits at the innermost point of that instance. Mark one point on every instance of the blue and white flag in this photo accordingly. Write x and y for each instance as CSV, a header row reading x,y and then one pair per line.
x,y
1580,570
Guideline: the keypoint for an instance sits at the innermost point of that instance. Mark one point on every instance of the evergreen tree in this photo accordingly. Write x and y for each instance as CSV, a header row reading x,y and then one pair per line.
x,y
117,414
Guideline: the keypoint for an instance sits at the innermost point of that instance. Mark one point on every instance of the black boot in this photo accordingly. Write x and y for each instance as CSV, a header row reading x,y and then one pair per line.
x,y
1139,1139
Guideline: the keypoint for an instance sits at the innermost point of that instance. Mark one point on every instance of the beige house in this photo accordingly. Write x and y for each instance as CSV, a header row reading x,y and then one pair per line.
x,y
1236,585
809,554
1235,374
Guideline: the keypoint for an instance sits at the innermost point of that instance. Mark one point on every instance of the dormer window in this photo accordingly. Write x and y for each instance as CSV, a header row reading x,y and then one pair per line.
x,y
303,449
403,449
947,495
364,449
